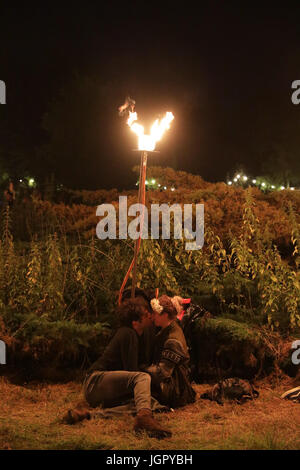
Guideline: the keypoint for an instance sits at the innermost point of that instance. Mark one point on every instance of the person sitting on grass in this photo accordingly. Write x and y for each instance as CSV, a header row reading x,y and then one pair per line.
x,y
170,372
115,377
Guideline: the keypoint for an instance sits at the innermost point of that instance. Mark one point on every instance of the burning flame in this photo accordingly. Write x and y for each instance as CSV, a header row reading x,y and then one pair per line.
x,y
146,141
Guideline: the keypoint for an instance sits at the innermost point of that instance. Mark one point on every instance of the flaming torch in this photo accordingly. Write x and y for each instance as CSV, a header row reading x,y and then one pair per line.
x,y
146,143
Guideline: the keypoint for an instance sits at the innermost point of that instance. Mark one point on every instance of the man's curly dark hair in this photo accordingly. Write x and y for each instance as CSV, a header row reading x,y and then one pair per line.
x,y
132,310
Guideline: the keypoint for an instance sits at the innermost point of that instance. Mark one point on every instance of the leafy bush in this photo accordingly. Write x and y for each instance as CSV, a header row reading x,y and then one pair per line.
x,y
59,284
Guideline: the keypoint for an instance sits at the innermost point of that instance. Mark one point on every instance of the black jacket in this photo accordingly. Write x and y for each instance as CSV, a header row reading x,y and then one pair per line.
x,y
122,352
126,351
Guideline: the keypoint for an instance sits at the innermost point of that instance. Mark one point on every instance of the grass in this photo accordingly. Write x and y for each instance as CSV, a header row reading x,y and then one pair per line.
x,y
30,418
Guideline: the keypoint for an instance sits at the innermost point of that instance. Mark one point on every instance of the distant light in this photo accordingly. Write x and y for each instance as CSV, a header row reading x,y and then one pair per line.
x,y
21,181
263,184
273,187
159,185
136,184
31,182
245,178
235,180
238,176
165,187
172,189
147,182
153,181
253,181
292,189
282,187
230,183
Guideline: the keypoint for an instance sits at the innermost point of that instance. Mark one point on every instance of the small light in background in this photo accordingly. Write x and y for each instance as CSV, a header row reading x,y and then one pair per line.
x,y
230,183
245,178
253,181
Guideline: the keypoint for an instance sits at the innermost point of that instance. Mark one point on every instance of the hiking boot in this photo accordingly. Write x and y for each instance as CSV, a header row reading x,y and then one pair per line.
x,y
76,415
144,421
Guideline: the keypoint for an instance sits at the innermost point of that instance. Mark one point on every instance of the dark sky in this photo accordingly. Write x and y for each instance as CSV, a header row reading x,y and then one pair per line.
x,y
224,69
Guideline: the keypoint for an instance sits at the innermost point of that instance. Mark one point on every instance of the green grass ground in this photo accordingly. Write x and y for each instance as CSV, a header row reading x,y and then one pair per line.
x,y
30,418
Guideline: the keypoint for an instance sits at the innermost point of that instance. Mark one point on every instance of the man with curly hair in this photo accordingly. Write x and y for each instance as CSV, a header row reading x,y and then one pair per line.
x,y
115,377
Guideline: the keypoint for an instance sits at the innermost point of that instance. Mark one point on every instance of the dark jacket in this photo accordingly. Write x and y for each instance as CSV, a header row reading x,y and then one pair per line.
x,y
126,351
122,352
170,369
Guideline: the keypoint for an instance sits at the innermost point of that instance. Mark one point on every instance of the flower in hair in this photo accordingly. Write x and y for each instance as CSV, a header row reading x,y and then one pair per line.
x,y
156,306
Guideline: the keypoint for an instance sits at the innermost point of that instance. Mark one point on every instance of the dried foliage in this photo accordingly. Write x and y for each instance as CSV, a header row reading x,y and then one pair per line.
x,y
59,283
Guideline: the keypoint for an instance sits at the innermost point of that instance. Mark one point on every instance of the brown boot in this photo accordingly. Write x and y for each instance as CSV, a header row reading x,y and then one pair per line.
x,y
144,421
76,415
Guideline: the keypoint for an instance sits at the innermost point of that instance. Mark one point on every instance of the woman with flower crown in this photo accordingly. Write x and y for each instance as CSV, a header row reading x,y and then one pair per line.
x,y
170,373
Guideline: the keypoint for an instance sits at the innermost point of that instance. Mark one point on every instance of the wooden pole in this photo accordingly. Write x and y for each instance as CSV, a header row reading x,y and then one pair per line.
x,y
141,200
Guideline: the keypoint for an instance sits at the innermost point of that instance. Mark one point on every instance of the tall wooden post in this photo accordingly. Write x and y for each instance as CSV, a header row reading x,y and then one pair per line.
x,y
141,200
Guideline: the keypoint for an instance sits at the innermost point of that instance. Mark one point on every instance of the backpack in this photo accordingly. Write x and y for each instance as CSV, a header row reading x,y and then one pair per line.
x,y
232,389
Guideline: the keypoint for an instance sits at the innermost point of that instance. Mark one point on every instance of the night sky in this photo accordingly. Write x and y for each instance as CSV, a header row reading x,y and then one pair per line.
x,y
224,71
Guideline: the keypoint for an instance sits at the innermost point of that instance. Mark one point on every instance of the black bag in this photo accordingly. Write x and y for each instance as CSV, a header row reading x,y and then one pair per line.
x,y
231,389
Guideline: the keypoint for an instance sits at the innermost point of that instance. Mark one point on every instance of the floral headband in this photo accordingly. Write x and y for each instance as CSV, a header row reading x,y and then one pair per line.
x,y
156,307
